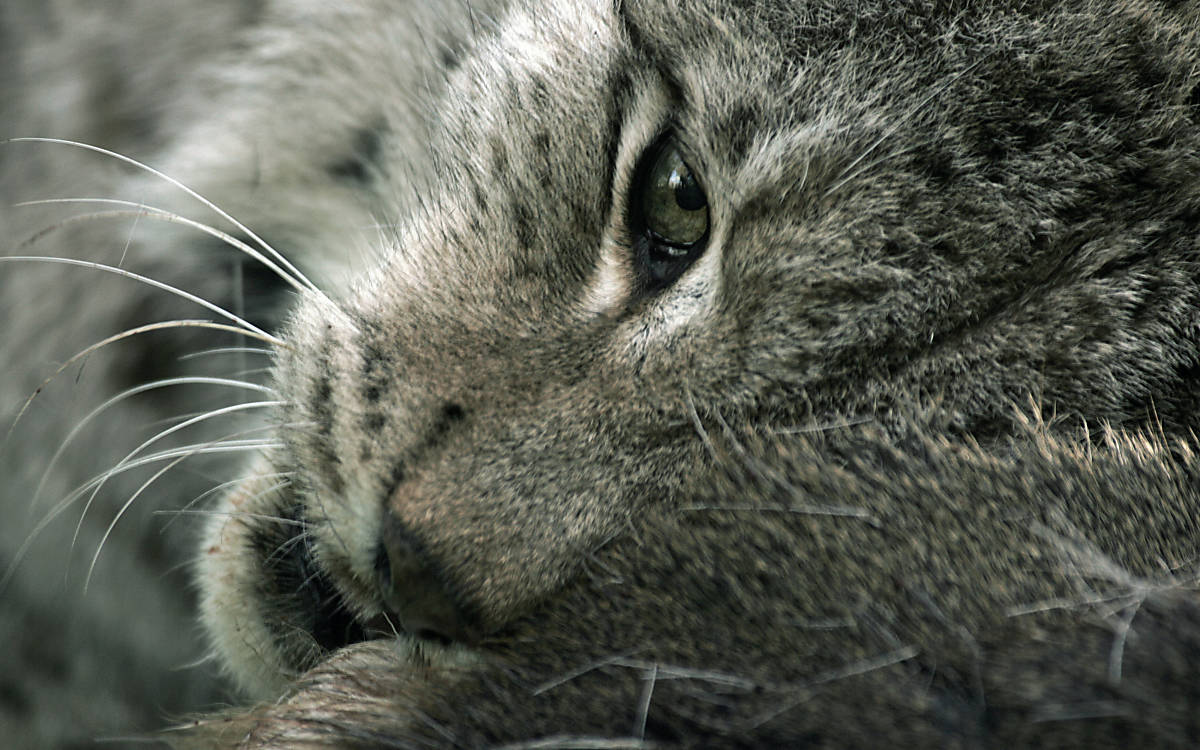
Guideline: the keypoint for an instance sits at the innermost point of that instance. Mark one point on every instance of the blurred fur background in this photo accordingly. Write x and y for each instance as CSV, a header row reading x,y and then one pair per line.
x,y
102,665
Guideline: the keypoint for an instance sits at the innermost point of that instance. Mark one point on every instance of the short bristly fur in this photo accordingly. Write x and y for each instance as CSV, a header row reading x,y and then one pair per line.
x,y
902,456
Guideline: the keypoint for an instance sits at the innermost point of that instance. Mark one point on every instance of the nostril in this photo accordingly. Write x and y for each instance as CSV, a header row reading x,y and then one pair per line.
x,y
412,590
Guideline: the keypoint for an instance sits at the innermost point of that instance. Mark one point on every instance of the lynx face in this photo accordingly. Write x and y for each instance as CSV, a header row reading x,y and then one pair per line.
x,y
644,221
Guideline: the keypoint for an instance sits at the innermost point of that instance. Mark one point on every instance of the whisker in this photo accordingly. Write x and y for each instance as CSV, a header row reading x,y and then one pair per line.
x,y
253,371
120,514
165,383
214,447
129,237
192,451
159,424
125,507
285,475
304,536
155,213
865,167
249,328
188,510
162,325
818,427
227,350
236,513
392,627
209,658
172,181
162,434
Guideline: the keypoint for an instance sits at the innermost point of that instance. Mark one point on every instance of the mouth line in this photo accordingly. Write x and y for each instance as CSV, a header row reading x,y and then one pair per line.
x,y
316,605
329,620
273,608
303,593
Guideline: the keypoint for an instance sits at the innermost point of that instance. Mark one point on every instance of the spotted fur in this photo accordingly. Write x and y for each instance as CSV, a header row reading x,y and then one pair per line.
x,y
904,456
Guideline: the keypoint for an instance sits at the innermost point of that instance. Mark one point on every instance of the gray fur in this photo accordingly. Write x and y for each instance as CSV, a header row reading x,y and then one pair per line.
x,y
803,495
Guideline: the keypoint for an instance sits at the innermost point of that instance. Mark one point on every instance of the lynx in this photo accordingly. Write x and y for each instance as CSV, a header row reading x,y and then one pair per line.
x,y
646,373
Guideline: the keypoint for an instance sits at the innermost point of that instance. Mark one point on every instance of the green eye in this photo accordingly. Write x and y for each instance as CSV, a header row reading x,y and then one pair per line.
x,y
674,206
670,214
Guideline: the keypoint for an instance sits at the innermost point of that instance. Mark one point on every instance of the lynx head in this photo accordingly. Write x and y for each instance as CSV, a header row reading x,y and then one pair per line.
x,y
646,221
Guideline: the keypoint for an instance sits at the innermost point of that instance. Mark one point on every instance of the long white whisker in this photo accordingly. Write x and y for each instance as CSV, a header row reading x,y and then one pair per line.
x,y
249,327
285,475
216,446
209,658
159,436
233,446
79,426
162,215
129,237
129,503
254,371
171,180
120,513
227,350
159,424
237,513
113,339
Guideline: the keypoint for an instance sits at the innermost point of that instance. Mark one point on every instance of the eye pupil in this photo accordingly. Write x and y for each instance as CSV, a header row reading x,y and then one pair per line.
x,y
688,194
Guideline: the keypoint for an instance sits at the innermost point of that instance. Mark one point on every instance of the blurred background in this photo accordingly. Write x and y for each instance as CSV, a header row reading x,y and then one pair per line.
x,y
110,666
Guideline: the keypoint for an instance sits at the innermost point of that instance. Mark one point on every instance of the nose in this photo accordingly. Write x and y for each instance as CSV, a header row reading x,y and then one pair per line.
x,y
412,589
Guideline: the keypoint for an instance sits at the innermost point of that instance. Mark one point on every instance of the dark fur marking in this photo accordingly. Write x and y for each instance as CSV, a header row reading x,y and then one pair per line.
x,y
481,202
734,131
364,157
661,60
450,57
499,157
1193,98
451,414
522,224
398,475
638,40
937,164
322,412
374,371
542,149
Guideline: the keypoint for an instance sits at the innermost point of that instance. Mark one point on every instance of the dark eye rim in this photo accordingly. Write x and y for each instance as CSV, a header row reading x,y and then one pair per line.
x,y
657,268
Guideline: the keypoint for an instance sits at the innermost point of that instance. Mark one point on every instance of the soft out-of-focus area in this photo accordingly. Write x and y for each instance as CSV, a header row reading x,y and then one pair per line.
x,y
111,665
